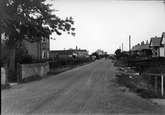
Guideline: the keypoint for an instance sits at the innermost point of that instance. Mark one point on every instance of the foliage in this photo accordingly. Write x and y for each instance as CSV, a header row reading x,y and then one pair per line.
x,y
95,54
67,62
136,84
118,52
29,20
22,55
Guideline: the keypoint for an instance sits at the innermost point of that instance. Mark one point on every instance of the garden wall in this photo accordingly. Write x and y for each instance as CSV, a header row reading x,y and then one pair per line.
x,y
29,70
3,77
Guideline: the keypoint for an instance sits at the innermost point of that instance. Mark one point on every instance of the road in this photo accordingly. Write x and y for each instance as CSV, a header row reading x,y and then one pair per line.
x,y
88,89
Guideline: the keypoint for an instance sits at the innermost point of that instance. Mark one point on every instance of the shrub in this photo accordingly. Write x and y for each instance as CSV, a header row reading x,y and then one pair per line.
x,y
67,62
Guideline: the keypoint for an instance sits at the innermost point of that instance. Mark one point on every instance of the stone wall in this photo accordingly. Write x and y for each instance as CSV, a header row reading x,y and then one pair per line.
x,y
3,77
29,70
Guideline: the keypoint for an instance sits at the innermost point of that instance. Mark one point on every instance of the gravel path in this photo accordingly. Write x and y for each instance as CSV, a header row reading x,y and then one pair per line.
x,y
89,89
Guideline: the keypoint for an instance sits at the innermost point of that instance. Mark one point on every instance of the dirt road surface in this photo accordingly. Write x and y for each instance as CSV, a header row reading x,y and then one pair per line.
x,y
89,89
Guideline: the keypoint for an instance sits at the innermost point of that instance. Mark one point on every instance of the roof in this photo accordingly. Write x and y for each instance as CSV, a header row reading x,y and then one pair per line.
x,y
163,36
140,47
62,52
66,52
155,42
81,50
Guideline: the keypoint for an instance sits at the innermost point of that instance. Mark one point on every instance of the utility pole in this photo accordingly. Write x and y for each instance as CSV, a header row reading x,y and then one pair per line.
x,y
122,47
129,43
164,15
164,5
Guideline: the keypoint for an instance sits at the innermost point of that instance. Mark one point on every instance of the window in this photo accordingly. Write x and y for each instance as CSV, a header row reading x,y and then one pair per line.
x,y
43,55
43,39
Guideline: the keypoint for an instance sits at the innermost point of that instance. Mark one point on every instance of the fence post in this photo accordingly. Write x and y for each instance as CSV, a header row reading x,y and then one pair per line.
x,y
6,73
18,72
156,85
162,85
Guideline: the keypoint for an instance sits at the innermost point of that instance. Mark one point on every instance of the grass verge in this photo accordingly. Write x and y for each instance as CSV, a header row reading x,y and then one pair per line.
x,y
142,85
136,84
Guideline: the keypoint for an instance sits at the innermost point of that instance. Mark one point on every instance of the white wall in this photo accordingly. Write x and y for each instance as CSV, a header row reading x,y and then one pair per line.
x,y
29,70
3,77
161,50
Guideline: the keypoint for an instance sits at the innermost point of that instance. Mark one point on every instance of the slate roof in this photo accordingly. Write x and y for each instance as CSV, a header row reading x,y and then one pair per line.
x,y
141,47
66,52
163,36
155,42
62,52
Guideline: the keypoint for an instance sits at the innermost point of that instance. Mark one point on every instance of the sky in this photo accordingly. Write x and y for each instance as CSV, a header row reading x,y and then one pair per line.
x,y
106,24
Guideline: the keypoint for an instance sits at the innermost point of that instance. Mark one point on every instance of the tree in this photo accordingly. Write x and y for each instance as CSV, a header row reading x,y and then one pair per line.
x,y
95,54
29,20
118,52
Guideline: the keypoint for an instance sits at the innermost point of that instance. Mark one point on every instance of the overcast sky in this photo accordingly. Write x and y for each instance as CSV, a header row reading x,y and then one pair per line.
x,y
106,24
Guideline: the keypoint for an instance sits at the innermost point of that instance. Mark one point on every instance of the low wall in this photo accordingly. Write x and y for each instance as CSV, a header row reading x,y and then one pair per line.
x,y
29,70
3,77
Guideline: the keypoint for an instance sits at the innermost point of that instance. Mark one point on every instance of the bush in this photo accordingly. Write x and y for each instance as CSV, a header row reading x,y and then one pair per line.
x,y
67,62
157,70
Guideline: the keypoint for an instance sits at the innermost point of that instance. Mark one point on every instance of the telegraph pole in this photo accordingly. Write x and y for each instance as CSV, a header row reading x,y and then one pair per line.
x,y
164,5
129,43
122,47
164,15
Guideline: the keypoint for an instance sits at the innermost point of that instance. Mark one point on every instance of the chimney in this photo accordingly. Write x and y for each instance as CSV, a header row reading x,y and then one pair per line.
x,y
147,42
142,43
76,48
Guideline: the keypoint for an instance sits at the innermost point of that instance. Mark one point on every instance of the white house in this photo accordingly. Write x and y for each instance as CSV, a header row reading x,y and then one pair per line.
x,y
157,47
163,43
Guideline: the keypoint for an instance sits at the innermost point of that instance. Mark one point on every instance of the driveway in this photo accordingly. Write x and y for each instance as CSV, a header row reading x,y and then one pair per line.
x,y
89,89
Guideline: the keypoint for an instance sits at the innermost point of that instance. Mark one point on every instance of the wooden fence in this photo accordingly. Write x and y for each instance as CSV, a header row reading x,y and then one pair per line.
x,y
156,82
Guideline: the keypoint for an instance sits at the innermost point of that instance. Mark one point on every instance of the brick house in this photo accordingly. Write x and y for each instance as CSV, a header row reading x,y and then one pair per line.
x,y
38,50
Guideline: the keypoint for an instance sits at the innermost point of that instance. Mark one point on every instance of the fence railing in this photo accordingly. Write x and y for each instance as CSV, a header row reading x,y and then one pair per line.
x,y
156,82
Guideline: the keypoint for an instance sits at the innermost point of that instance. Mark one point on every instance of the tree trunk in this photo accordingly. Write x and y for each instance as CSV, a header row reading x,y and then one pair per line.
x,y
11,61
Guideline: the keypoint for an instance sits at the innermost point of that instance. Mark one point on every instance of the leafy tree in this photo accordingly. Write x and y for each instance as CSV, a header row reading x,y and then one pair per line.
x,y
29,20
118,52
95,54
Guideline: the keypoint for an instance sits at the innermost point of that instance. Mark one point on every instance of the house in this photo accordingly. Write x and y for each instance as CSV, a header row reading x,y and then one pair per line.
x,y
142,49
62,54
99,52
82,53
163,41
38,50
67,54
157,47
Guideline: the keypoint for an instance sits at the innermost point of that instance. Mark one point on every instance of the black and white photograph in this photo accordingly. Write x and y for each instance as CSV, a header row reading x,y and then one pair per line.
x,y
82,57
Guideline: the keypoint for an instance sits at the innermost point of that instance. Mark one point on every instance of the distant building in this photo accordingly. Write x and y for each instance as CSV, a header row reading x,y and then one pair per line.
x,y
101,52
142,49
62,54
71,53
82,53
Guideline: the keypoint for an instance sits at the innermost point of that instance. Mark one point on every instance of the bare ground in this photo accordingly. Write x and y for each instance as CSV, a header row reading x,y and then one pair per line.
x,y
89,89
